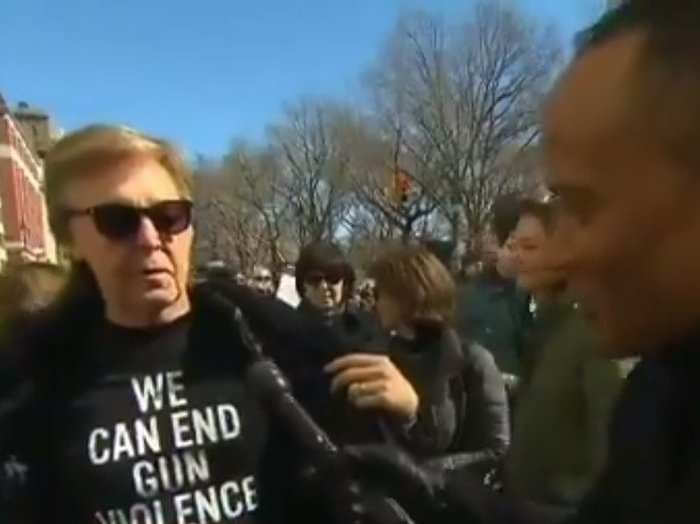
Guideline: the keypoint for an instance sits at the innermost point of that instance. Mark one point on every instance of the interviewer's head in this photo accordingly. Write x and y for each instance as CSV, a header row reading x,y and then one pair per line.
x,y
621,134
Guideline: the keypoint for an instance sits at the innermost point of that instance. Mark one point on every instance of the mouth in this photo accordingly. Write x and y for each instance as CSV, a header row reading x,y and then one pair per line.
x,y
155,272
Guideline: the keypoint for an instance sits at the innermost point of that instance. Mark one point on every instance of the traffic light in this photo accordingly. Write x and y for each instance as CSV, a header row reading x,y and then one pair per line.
x,y
402,185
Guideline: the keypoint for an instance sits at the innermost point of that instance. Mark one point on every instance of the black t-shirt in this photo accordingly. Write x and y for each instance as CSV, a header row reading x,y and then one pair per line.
x,y
155,432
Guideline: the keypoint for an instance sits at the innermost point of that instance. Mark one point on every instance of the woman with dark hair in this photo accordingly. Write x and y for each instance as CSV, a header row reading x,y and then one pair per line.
x,y
415,303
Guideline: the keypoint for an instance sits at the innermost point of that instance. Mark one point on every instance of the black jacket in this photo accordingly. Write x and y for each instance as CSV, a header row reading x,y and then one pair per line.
x,y
335,335
55,364
430,362
483,432
652,475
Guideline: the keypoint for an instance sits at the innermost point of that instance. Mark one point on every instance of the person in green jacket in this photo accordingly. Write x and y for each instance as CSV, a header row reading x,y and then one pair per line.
x,y
491,310
566,393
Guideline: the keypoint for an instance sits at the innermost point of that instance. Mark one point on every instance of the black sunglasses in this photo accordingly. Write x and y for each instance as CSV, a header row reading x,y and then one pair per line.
x,y
122,221
332,278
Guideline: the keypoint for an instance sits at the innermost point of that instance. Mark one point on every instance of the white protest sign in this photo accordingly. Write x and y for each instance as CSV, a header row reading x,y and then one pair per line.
x,y
287,291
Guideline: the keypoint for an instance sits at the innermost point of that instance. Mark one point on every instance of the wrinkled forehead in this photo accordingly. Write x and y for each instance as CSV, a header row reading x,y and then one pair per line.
x,y
136,181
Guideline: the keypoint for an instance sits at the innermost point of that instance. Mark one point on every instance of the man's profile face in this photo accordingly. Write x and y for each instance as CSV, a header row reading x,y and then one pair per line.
x,y
146,272
625,213
529,239
507,258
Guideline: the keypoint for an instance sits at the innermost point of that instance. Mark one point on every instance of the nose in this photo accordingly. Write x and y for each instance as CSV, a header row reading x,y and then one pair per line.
x,y
516,262
147,235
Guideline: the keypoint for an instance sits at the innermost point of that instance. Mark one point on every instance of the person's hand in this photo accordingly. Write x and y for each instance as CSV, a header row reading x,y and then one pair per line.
x,y
373,381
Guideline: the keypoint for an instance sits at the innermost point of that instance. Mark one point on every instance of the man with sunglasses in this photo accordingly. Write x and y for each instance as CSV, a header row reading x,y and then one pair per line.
x,y
133,405
324,281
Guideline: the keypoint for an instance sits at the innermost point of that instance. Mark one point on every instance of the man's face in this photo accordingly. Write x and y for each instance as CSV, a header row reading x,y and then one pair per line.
x,y
529,239
627,217
143,274
324,290
507,258
489,249
262,281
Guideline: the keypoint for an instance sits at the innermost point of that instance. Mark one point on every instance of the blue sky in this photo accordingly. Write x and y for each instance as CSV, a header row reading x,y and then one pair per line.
x,y
204,72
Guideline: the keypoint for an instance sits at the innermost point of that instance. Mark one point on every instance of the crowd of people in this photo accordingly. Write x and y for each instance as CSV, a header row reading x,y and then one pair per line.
x,y
553,382
269,283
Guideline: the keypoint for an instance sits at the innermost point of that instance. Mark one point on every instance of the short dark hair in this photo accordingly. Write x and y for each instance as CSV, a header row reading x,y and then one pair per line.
x,y
504,216
323,256
539,210
666,93
671,21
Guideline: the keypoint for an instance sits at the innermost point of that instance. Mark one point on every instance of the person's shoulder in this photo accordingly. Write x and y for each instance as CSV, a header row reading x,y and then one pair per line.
x,y
362,320
285,333
220,297
476,356
451,349
474,349
27,370
46,340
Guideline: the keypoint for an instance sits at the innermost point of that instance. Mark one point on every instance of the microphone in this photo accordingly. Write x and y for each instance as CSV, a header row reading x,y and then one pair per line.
x,y
329,467
271,386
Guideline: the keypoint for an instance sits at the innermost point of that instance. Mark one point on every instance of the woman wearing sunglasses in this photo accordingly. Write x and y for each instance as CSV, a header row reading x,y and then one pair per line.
x,y
134,406
325,282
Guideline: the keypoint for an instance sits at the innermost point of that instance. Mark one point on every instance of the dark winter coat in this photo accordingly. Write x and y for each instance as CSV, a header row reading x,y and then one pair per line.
x,y
564,407
55,364
494,313
652,474
483,432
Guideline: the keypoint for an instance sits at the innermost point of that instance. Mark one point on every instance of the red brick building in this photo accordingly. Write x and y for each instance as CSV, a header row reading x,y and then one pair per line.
x,y
26,233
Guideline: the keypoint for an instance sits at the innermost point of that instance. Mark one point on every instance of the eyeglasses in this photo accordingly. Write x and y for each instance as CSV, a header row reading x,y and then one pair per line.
x,y
122,221
315,278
